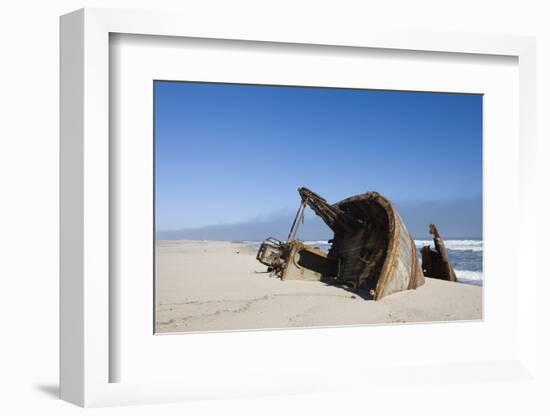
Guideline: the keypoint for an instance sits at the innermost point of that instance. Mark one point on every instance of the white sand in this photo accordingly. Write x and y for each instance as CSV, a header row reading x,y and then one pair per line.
x,y
217,285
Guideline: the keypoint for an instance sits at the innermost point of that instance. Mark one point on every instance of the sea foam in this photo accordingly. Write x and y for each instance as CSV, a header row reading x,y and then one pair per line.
x,y
462,245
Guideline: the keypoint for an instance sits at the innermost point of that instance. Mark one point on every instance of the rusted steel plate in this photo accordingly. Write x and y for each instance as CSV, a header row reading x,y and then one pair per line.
x,y
436,263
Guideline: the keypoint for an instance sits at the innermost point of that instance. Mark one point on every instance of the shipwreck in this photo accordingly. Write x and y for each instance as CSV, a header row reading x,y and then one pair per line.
x,y
371,250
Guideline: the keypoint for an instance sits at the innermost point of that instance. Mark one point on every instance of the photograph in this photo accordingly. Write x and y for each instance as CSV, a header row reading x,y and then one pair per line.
x,y
281,206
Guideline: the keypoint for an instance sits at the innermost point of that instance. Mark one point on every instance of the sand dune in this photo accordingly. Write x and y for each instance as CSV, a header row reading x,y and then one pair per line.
x,y
219,285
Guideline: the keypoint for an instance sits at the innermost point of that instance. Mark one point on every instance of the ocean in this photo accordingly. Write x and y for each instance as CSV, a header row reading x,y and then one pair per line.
x,y
466,256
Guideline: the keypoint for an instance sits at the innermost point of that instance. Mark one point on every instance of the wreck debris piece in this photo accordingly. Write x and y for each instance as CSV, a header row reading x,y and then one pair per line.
x,y
371,248
299,218
435,263
335,217
295,260
273,254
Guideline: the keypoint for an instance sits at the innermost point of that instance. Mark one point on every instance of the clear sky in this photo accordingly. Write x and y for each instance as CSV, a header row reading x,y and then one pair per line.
x,y
228,153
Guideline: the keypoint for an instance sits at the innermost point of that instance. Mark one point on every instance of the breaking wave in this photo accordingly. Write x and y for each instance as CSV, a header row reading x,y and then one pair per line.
x,y
463,245
469,277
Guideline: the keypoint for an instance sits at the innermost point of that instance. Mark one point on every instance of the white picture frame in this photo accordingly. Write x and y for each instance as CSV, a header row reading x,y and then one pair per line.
x,y
87,355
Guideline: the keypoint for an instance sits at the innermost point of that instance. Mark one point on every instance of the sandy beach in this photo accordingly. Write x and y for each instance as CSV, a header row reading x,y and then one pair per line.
x,y
219,285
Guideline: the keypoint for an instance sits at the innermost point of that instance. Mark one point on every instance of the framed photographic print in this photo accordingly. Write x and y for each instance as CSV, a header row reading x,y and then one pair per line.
x,y
230,253
264,211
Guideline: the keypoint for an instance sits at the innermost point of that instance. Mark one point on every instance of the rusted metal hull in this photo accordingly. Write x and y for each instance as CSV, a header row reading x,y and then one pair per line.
x,y
381,256
371,249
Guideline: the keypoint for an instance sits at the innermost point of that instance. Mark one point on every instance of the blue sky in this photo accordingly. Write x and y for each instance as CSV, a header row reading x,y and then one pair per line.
x,y
228,153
